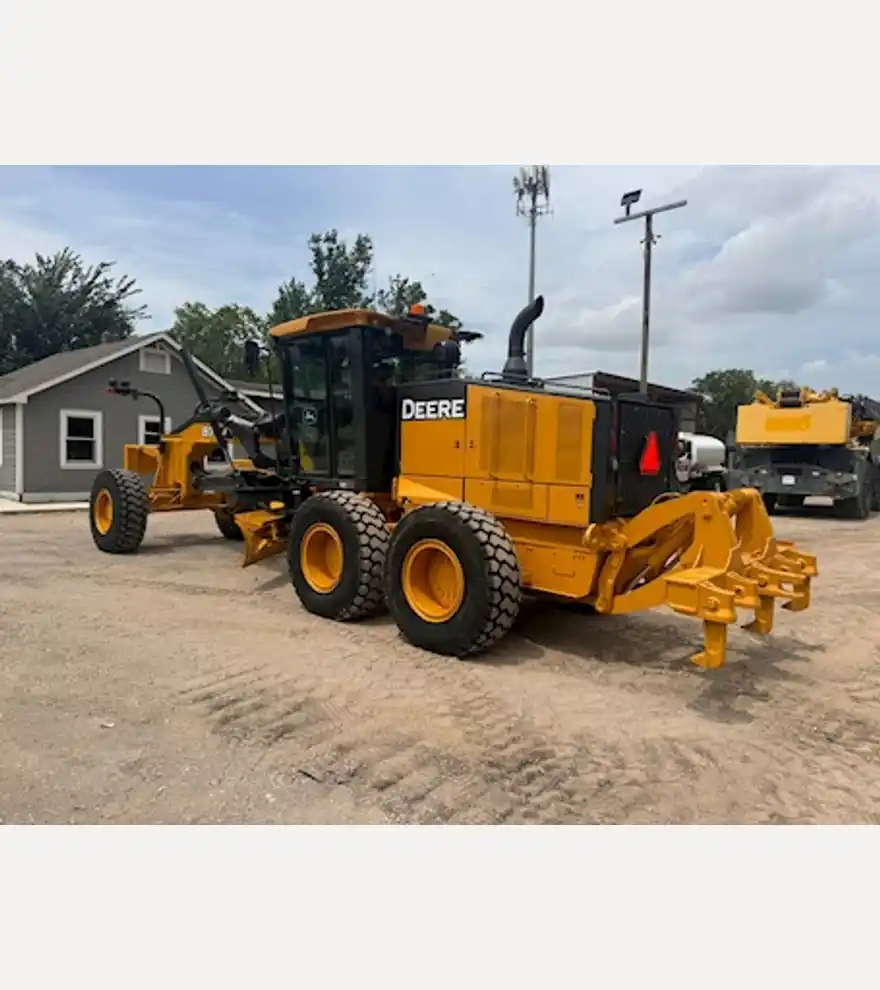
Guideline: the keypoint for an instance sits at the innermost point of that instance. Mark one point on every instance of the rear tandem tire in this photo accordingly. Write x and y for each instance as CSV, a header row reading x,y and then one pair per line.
x,y
858,507
118,508
465,592
336,555
227,525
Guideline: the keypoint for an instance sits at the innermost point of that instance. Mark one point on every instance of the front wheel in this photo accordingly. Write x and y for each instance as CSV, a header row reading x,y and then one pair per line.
x,y
452,579
227,525
336,555
118,507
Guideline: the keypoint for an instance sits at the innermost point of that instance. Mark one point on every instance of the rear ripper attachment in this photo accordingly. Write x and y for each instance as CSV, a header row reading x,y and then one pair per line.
x,y
703,555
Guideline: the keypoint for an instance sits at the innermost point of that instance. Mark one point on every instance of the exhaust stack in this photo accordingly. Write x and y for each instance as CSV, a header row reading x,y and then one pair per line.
x,y
515,365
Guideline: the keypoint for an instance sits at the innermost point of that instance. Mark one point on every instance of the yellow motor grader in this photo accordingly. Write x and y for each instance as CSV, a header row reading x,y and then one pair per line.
x,y
395,481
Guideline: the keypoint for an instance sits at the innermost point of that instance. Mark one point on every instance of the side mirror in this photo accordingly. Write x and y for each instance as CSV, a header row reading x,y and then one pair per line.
x,y
251,357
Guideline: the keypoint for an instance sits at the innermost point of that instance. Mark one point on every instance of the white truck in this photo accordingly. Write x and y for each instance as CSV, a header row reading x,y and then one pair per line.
x,y
701,463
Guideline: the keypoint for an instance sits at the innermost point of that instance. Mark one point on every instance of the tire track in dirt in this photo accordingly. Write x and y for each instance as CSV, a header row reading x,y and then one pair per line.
x,y
511,771
477,759
311,734
484,762
296,716
508,770
496,766
261,705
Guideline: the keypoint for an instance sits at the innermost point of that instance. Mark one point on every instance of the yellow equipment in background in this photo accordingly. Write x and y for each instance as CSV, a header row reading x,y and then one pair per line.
x,y
400,483
816,418
805,443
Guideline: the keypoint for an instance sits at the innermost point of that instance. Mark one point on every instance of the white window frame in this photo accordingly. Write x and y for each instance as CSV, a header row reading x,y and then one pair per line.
x,y
145,418
154,349
98,419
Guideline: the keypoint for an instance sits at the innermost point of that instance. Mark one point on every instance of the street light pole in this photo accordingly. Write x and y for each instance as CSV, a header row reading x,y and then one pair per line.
x,y
650,239
646,304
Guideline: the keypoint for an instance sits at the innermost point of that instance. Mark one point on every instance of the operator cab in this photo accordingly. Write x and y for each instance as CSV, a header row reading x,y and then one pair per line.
x,y
340,374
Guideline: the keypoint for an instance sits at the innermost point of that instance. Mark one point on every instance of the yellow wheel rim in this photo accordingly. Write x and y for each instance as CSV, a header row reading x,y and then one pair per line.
x,y
433,581
103,512
321,557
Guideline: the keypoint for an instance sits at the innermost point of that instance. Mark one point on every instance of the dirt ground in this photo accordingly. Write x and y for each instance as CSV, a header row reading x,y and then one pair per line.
x,y
174,686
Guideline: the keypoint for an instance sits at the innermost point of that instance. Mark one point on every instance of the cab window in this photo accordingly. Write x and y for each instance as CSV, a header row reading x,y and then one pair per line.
x,y
342,405
309,414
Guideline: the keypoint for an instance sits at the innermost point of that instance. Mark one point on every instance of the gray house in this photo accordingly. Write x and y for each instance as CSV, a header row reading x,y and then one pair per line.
x,y
58,426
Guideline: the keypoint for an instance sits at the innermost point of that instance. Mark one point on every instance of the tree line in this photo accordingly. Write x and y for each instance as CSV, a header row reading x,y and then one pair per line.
x,y
342,274
59,303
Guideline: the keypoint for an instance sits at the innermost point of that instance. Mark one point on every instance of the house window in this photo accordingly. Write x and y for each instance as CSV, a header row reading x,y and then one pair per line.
x,y
148,429
81,439
155,360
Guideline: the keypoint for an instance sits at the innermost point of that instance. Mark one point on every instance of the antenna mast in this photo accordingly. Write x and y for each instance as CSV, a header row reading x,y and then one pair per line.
x,y
532,190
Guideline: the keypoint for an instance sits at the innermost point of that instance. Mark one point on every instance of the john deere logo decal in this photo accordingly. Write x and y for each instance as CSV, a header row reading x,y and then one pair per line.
x,y
432,409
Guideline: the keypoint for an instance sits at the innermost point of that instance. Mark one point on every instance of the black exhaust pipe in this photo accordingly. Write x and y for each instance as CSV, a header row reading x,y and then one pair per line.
x,y
515,365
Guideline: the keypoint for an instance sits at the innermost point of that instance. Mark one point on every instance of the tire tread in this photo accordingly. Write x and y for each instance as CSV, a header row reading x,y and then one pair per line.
x,y
373,538
502,573
131,508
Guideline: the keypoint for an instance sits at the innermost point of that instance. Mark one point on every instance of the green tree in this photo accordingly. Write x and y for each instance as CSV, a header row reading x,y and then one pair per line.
x,y
58,303
723,391
293,300
342,275
10,298
402,293
399,295
217,336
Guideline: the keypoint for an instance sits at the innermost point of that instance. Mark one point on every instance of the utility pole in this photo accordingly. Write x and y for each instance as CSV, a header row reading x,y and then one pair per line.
x,y
627,201
532,189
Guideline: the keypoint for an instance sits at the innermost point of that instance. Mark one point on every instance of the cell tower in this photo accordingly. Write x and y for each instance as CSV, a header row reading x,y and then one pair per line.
x,y
532,189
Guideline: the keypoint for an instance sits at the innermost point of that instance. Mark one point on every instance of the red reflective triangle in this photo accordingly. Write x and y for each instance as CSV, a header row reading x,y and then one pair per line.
x,y
650,462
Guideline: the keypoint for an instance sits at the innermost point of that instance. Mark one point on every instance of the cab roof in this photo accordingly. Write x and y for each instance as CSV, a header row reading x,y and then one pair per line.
x,y
342,319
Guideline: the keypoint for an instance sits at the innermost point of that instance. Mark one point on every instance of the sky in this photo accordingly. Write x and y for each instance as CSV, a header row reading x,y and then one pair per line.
x,y
768,267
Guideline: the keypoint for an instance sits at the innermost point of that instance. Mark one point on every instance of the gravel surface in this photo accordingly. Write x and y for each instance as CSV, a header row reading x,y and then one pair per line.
x,y
175,686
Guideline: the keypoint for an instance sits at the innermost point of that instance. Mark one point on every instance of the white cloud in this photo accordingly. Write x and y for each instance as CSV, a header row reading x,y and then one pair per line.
x,y
175,250
810,367
767,267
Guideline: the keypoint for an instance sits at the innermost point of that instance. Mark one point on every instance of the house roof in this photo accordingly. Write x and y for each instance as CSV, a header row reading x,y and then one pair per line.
x,y
32,376
19,385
